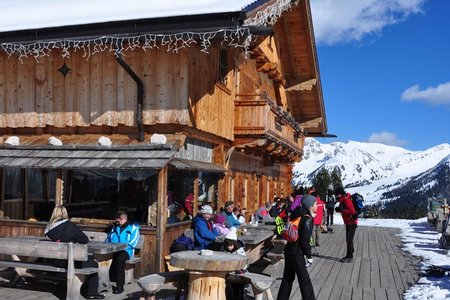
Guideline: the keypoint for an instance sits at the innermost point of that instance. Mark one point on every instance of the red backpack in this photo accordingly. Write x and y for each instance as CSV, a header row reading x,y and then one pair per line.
x,y
290,232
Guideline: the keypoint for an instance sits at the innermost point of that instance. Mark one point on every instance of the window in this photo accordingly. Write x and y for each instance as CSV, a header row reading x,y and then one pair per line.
x,y
100,193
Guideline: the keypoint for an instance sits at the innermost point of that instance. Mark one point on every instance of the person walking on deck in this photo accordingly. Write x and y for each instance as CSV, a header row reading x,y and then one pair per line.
x,y
347,210
295,252
331,203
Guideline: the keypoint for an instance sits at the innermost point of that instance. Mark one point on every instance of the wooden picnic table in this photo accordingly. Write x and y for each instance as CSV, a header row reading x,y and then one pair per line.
x,y
207,272
102,252
260,227
254,243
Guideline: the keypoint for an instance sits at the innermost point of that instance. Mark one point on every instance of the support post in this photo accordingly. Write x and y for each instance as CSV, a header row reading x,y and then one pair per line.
x,y
161,219
59,188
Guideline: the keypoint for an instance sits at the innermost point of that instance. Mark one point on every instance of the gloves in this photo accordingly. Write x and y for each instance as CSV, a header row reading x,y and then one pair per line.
x,y
309,262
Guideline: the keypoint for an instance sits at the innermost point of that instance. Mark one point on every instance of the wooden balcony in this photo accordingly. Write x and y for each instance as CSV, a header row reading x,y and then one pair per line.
x,y
262,128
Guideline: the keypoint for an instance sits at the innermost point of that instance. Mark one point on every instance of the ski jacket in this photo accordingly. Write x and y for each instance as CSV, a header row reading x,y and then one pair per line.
x,y
204,233
347,210
126,234
318,219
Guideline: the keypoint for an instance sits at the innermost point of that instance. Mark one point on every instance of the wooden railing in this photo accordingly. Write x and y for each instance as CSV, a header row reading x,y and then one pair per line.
x,y
259,116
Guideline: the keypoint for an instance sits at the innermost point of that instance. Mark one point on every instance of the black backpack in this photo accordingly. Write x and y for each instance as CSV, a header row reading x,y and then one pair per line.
x,y
358,204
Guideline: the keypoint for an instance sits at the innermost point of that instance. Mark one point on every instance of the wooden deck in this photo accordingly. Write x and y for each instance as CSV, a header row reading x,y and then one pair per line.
x,y
380,271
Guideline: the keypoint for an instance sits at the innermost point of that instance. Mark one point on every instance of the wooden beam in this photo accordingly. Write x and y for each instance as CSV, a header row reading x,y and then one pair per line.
x,y
277,150
270,147
314,123
303,86
161,218
195,204
268,67
59,188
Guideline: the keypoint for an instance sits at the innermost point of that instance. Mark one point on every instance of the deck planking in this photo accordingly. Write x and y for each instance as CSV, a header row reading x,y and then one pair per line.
x,y
381,270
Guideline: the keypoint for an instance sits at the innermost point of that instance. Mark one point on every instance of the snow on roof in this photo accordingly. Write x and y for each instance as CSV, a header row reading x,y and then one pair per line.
x,y
32,14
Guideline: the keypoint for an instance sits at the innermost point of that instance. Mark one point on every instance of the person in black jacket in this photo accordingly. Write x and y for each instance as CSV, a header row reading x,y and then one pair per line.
x,y
60,229
295,252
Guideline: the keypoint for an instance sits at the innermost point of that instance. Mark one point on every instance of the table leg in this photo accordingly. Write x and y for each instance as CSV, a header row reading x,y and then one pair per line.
x,y
207,286
104,262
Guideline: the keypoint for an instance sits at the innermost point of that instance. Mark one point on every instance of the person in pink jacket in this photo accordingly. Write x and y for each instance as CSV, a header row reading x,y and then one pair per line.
x,y
318,218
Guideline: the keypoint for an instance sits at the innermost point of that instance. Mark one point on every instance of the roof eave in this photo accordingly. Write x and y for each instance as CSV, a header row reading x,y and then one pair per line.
x,y
194,23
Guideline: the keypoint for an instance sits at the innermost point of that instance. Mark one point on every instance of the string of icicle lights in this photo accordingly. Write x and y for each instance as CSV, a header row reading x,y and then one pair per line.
x,y
239,37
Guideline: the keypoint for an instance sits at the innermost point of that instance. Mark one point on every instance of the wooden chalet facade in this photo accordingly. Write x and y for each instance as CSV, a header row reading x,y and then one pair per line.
x,y
234,118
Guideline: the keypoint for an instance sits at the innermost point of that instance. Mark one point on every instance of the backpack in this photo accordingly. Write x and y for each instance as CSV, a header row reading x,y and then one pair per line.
x,y
331,203
358,204
279,225
182,243
290,232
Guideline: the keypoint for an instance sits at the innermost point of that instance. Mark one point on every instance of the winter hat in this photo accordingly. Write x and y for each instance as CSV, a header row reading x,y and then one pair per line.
x,y
308,201
219,219
206,209
232,235
339,191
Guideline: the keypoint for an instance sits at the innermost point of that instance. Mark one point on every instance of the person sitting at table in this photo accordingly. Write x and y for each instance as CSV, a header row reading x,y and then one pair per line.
x,y
230,219
219,224
263,212
61,229
276,208
127,233
232,245
204,233
239,214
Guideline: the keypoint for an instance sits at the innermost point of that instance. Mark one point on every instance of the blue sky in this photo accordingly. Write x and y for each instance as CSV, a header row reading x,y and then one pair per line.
x,y
385,70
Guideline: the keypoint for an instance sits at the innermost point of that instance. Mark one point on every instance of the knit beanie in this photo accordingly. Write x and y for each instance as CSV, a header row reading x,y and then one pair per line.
x,y
232,235
308,201
219,219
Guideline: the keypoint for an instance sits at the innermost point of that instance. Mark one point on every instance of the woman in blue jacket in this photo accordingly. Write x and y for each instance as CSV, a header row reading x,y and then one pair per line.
x,y
204,233
126,233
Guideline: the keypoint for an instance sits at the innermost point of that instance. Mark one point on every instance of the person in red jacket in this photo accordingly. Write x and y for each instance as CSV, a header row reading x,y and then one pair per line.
x,y
317,219
347,210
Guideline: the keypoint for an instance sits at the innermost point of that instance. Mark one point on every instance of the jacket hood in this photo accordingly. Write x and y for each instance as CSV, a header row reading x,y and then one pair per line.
x,y
55,226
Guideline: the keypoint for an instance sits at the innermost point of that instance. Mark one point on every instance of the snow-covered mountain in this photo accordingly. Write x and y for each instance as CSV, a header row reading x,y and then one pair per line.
x,y
372,169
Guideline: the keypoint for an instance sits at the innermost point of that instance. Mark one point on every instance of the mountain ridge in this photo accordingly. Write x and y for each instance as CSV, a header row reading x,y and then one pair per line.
x,y
372,169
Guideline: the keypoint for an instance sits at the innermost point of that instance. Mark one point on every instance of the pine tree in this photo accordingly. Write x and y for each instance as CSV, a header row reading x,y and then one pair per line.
x,y
321,182
336,177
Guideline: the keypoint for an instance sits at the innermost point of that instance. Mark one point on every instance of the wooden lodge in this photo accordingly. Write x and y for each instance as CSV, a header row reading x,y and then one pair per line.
x,y
143,113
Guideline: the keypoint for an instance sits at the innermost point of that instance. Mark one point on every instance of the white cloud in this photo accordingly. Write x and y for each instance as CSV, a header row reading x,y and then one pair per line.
x,y
387,138
351,20
432,95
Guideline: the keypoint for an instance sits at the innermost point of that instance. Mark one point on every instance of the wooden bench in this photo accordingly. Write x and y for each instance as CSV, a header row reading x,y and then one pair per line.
x,y
16,248
152,284
276,257
131,263
260,283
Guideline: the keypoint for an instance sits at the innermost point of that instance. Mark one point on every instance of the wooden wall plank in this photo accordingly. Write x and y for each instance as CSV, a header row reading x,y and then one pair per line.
x,y
11,91
58,92
109,103
48,90
3,121
82,74
95,90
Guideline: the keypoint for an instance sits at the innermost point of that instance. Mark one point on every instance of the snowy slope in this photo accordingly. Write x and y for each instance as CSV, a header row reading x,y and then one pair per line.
x,y
368,168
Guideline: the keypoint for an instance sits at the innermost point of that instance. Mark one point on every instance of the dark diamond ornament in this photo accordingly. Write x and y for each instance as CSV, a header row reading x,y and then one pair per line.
x,y
64,69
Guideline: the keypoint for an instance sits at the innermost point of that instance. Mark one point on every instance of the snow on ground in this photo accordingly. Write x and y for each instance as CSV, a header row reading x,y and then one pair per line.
x,y
419,239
